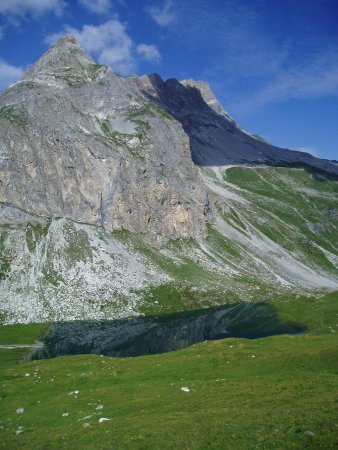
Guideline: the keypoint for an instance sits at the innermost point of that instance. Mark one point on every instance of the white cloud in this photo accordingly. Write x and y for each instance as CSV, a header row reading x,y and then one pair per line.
x,y
34,7
97,6
148,52
255,64
163,15
314,78
9,74
110,44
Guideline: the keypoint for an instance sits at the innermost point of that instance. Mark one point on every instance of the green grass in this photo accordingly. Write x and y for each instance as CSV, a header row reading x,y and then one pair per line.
x,y
78,245
10,358
148,109
285,204
21,334
176,297
110,136
72,80
235,401
13,115
34,233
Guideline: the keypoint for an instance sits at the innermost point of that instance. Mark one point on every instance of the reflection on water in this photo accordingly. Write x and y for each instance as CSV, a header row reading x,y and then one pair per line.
x,y
159,334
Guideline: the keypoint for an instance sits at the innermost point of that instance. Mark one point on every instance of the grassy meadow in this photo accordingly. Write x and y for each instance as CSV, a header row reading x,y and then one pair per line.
x,y
277,392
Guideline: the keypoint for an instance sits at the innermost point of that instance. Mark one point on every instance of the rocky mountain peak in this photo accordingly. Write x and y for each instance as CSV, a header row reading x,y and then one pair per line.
x,y
93,147
65,57
66,40
207,95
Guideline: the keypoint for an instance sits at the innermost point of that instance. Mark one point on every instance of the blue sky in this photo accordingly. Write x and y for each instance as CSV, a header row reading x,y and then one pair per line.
x,y
273,64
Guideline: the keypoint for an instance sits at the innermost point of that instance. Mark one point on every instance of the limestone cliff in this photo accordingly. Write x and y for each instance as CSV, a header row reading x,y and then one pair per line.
x,y
80,142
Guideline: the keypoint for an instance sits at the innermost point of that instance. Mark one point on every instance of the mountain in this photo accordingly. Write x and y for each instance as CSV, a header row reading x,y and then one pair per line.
x,y
122,196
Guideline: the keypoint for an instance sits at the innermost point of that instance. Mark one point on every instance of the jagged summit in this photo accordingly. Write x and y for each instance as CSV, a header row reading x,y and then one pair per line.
x,y
207,95
65,40
92,147
66,56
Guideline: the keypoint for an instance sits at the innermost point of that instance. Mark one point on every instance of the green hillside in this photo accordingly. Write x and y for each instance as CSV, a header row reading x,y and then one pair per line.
x,y
273,393
274,232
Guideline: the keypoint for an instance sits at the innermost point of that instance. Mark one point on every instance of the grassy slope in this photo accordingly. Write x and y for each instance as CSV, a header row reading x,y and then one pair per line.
x,y
236,401
18,335
289,205
270,216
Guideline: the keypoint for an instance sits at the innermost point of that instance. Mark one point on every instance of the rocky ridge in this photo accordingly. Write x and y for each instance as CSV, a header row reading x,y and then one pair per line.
x,y
112,187
80,142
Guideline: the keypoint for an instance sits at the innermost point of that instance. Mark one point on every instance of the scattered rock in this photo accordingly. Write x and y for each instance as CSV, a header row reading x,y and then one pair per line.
x,y
104,419
309,433
19,430
20,410
99,407
65,414
73,393
185,389
85,425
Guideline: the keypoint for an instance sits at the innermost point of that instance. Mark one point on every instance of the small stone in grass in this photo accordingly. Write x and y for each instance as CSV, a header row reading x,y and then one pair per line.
x,y
85,425
19,430
309,433
27,375
20,410
99,407
104,419
185,389
65,414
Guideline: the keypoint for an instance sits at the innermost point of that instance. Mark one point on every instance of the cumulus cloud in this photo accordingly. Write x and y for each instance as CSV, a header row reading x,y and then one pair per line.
x,y
148,52
9,74
33,7
96,6
110,44
163,15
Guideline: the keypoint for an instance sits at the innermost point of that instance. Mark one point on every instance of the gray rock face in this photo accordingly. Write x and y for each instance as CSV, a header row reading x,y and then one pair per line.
x,y
80,142
215,138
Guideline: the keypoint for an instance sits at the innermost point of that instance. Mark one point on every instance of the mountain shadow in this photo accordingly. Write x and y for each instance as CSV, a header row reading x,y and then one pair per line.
x,y
216,139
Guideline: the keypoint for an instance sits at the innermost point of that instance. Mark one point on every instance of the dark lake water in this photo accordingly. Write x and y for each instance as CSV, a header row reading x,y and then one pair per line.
x,y
158,334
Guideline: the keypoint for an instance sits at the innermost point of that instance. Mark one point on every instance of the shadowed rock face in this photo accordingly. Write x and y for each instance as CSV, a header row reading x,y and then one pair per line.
x,y
80,142
150,335
215,138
